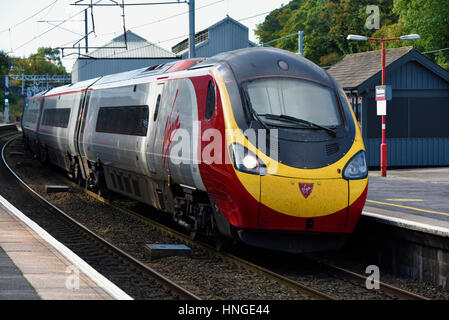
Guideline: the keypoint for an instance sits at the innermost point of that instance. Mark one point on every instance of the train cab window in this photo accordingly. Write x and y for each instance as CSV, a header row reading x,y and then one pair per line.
x,y
56,117
128,120
284,100
210,101
156,109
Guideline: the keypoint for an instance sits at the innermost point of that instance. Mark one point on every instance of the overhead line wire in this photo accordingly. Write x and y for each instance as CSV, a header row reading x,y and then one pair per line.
x,y
438,50
33,15
183,36
45,32
162,19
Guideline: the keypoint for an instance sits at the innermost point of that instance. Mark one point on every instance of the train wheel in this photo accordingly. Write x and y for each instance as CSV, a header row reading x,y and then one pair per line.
x,y
221,243
43,155
26,143
194,234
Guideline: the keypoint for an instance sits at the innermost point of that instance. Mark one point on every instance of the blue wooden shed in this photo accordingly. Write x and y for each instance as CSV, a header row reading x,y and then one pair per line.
x,y
417,120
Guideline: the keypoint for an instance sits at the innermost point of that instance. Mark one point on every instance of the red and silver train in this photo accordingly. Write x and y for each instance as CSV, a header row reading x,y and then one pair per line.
x,y
257,145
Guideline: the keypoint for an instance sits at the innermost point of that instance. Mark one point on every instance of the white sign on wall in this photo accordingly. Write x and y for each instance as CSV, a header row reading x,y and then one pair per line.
x,y
381,107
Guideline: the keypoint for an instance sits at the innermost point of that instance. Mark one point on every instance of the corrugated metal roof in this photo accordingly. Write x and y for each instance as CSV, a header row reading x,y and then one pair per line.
x,y
228,19
138,47
356,68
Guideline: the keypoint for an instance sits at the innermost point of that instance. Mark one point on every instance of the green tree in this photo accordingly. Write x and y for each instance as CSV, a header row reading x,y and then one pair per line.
x,y
326,24
45,61
4,67
429,19
309,16
4,62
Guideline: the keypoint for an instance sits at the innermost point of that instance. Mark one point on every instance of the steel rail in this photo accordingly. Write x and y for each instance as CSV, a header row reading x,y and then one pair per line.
x,y
292,284
231,258
388,289
312,293
172,286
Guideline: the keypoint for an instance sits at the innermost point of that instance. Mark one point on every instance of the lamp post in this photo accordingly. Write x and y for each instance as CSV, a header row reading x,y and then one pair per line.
x,y
383,146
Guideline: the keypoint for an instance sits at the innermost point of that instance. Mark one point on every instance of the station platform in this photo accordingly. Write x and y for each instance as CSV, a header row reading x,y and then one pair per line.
x,y
9,126
34,266
416,199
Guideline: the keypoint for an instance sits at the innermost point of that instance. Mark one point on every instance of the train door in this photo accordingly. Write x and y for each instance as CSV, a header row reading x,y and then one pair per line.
x,y
154,140
79,133
40,107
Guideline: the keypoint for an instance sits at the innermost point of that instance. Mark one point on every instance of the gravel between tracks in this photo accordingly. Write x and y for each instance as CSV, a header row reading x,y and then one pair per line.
x,y
346,259
205,275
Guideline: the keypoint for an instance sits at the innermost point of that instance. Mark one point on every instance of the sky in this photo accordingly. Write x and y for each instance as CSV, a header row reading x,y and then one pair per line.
x,y
26,25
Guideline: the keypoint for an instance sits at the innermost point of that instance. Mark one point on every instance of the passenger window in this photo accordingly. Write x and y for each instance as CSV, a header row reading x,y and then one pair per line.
x,y
56,117
129,120
210,101
156,109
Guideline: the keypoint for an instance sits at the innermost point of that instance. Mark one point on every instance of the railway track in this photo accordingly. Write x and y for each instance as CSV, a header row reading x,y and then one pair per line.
x,y
390,290
154,284
288,281
313,293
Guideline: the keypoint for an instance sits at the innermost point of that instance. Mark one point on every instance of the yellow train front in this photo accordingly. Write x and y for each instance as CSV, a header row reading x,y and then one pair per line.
x,y
296,178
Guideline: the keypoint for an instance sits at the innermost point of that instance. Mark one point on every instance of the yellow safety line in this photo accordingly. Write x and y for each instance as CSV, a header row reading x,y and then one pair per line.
x,y
405,200
407,207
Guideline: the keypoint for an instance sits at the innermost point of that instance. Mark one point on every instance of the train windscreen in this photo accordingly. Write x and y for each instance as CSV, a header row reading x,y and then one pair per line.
x,y
282,100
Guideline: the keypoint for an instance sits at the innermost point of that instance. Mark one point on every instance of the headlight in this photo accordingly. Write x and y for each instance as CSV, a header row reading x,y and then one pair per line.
x,y
250,162
356,167
246,161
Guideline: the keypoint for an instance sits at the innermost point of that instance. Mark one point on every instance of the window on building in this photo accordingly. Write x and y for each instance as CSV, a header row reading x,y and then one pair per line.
x,y
129,120
56,117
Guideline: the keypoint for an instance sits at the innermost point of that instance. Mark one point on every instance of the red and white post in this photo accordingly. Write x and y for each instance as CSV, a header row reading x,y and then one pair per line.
x,y
383,146
383,106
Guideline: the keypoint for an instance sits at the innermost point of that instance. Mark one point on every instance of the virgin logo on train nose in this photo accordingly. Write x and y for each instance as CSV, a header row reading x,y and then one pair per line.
x,y
306,189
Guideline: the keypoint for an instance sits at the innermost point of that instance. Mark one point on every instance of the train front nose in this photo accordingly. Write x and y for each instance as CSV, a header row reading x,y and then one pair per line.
x,y
303,204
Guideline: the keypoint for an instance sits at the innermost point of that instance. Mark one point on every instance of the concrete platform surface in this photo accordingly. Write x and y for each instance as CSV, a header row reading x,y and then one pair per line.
x,y
13,285
420,196
30,268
